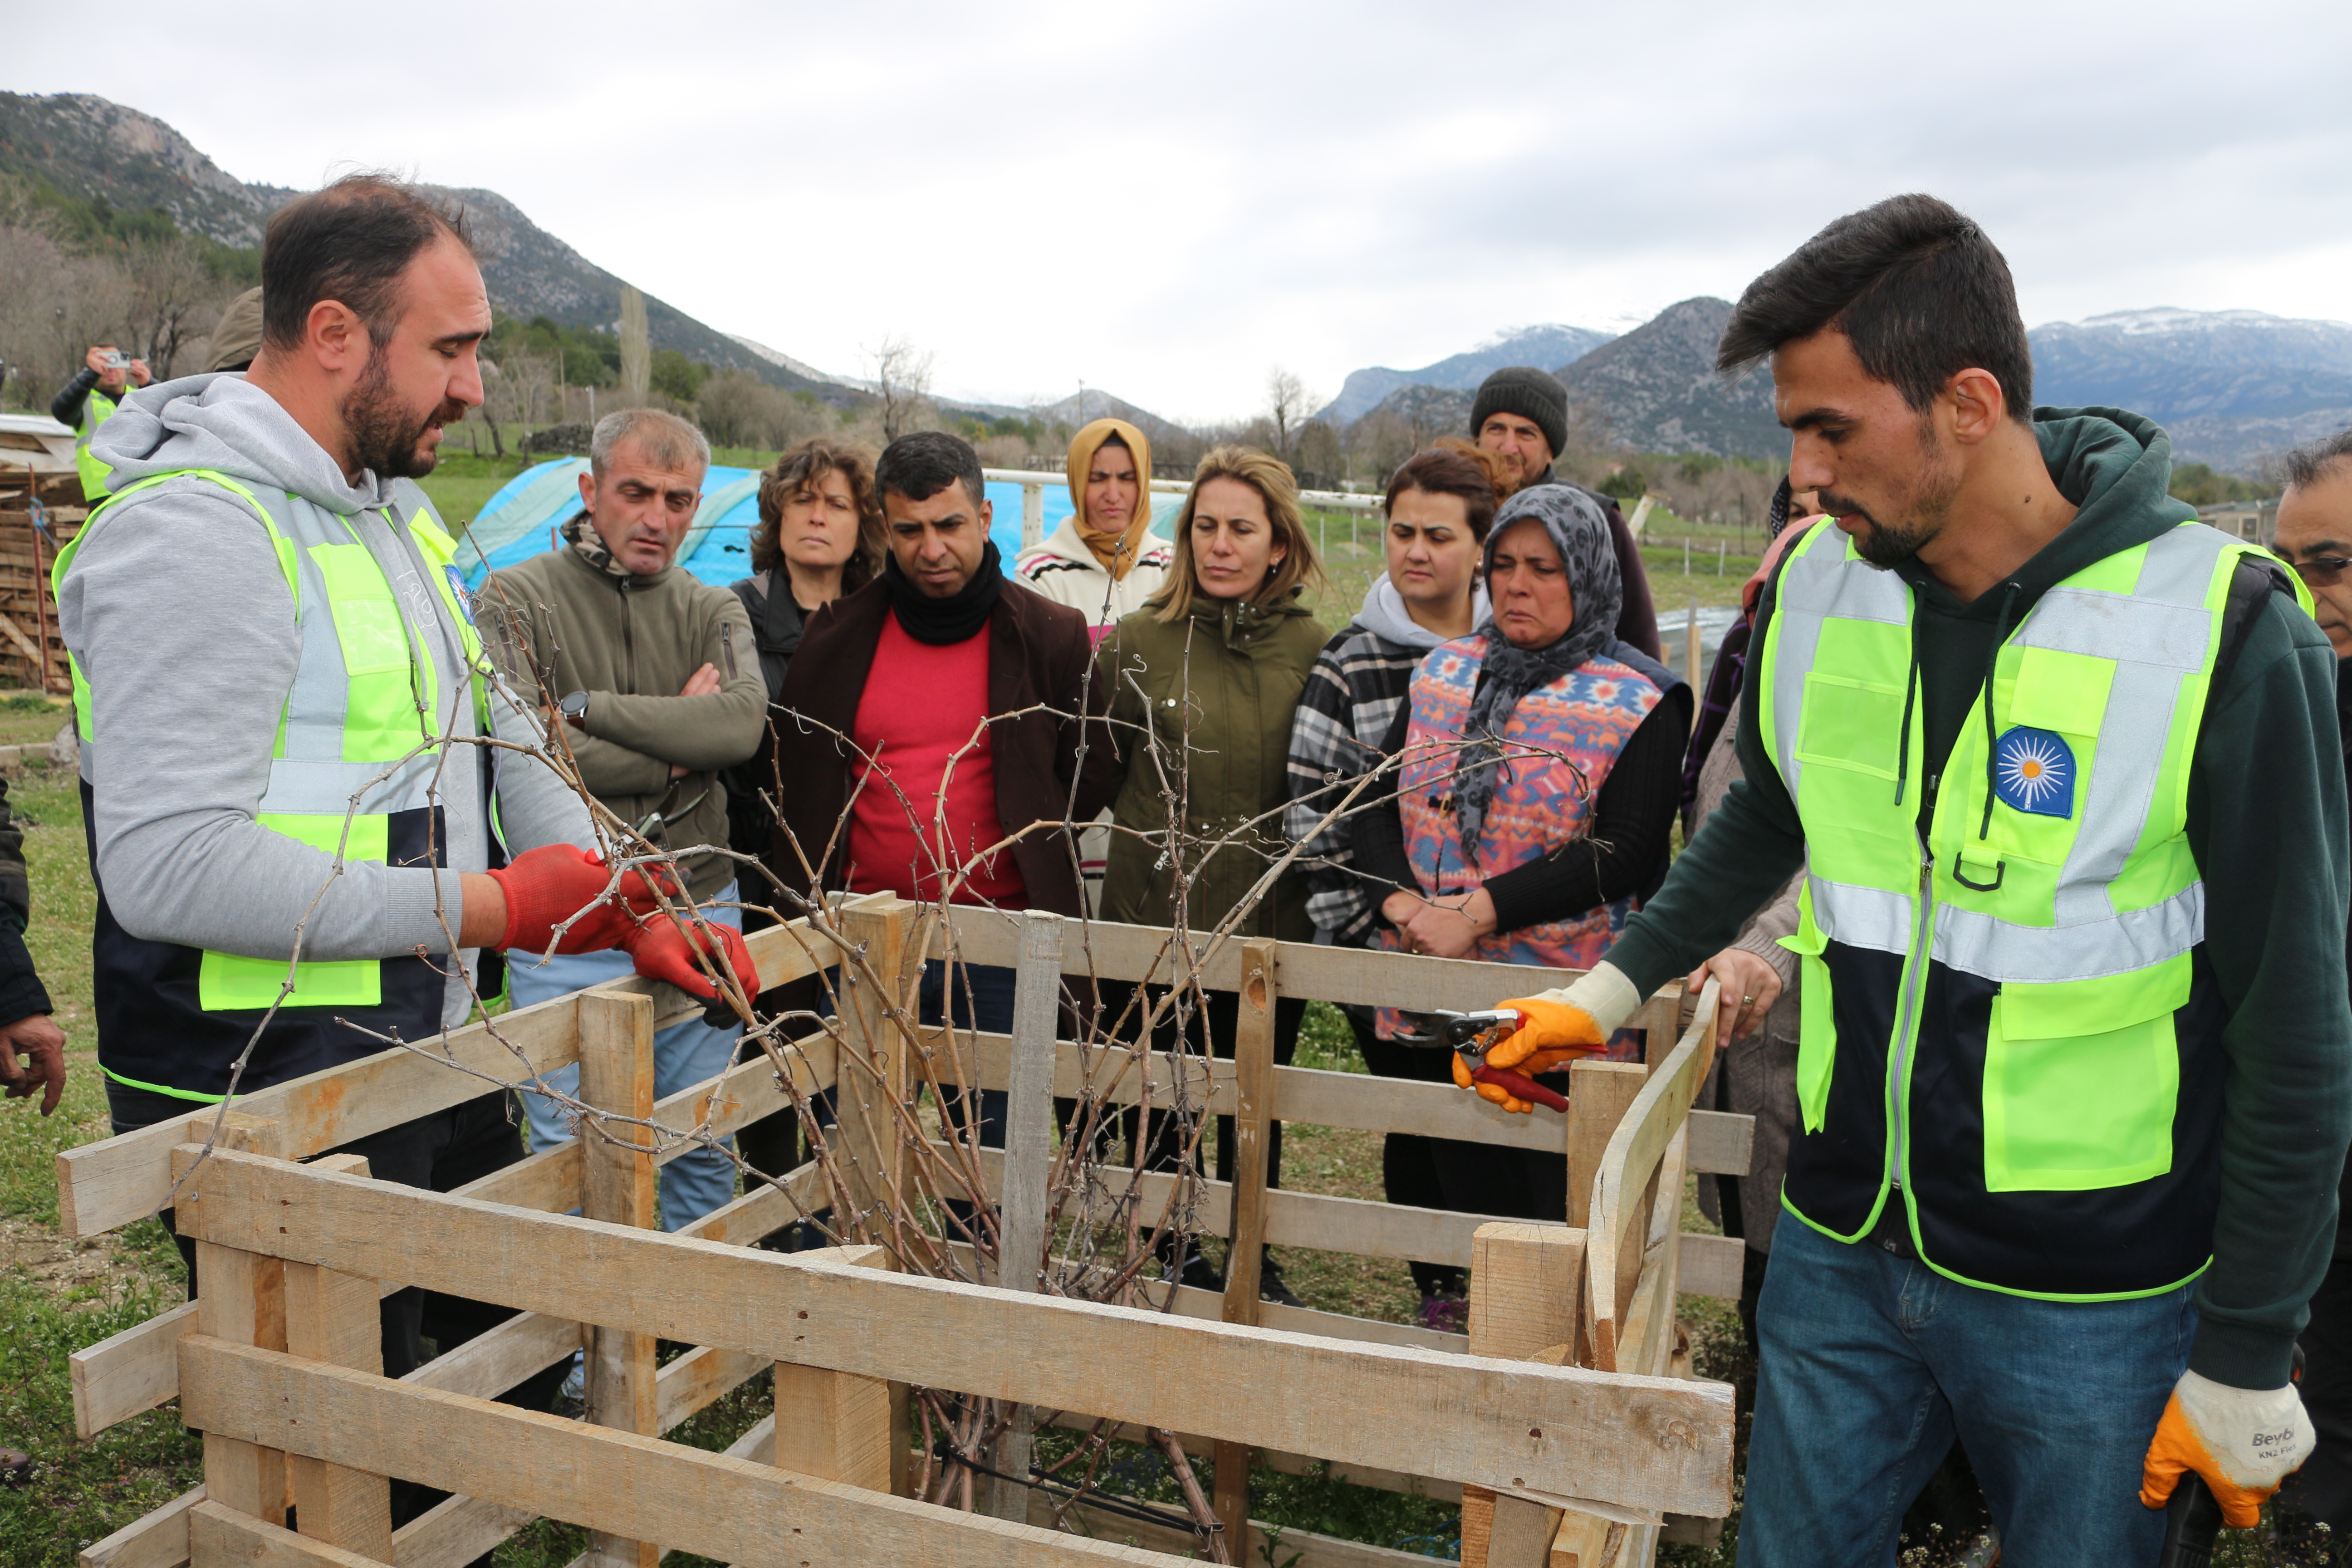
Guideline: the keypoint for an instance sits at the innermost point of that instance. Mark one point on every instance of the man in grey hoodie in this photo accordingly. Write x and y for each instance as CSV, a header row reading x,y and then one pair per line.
x,y
280,693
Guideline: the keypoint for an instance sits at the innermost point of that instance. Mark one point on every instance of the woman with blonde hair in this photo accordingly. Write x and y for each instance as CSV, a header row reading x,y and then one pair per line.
x,y
1202,684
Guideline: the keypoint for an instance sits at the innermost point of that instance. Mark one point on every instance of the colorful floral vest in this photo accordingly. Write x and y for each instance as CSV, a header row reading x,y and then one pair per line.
x,y
1561,743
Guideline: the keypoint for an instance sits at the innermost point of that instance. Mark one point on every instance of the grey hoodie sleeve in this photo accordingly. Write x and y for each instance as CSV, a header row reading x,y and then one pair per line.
x,y
535,806
181,618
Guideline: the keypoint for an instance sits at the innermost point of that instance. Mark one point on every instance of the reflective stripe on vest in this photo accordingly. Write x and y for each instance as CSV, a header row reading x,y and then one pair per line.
x,y
2071,899
95,410
352,746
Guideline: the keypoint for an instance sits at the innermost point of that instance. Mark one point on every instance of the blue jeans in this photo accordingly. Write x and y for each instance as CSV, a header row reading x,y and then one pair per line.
x,y
683,1054
1870,1363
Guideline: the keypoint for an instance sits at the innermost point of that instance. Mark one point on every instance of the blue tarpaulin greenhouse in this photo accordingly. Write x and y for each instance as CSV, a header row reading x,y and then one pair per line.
x,y
521,520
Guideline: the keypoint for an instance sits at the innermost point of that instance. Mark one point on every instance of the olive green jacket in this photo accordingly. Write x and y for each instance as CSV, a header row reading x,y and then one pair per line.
x,y
1211,725
557,625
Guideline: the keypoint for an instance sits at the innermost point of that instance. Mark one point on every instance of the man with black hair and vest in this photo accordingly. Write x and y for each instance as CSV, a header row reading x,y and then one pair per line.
x,y
2074,1078
280,693
1520,416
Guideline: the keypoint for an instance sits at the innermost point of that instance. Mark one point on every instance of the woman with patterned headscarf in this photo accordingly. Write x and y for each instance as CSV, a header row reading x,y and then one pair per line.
x,y
1540,765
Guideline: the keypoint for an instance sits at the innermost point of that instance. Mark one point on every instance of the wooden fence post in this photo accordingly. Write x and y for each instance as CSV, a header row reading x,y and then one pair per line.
x,y
872,1159
1028,1159
241,1298
618,1184
332,1316
1252,1116
873,1164
1523,1307
1599,1095
833,1424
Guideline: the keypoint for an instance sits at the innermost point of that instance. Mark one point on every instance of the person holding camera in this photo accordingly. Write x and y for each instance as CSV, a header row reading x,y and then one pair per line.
x,y
88,399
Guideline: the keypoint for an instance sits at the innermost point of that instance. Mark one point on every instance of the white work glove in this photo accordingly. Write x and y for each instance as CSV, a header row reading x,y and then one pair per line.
x,y
2243,1441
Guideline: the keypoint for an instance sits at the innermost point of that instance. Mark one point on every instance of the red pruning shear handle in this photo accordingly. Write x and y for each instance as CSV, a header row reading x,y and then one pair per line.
x,y
1519,1086
1468,1034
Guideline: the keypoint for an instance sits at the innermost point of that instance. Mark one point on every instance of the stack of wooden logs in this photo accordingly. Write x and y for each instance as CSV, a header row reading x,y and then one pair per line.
x,y
39,513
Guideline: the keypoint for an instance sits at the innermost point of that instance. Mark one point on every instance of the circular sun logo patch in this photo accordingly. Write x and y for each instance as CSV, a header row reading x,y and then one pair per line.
x,y
2033,772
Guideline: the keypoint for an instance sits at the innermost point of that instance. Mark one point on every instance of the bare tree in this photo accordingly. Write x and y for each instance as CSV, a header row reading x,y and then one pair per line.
x,y
637,344
1287,404
902,374
519,389
174,301
737,408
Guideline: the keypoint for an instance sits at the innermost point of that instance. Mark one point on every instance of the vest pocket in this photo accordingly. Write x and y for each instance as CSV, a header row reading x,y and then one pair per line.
x,y
2081,1081
228,982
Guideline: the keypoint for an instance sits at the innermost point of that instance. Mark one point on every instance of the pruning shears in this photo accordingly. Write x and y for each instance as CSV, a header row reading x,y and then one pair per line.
x,y
1470,1036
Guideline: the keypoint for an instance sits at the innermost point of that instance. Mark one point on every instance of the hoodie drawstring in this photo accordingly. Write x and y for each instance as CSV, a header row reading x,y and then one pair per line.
x,y
1910,692
1993,748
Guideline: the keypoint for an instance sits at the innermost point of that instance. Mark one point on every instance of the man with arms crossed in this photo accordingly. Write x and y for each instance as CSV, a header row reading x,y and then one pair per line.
x,y
654,675
2075,1071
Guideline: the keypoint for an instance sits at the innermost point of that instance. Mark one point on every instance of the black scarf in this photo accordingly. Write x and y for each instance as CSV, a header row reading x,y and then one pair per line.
x,y
954,618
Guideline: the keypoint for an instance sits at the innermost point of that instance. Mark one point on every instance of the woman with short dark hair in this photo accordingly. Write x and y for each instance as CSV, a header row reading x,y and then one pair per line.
x,y
820,536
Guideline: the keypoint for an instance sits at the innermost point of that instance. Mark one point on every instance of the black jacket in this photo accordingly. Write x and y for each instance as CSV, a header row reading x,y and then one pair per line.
x,y
21,992
775,631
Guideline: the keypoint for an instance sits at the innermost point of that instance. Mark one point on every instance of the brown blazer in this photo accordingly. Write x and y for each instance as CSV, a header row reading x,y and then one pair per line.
x,y
1039,656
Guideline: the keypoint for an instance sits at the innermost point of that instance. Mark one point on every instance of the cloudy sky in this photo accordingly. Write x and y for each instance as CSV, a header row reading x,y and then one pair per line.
x,y
1168,201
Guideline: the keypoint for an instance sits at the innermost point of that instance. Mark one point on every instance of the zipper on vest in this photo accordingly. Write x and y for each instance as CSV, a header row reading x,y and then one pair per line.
x,y
1906,1019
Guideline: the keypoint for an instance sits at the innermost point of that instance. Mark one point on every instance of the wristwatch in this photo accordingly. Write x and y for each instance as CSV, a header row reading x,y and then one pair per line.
x,y
575,710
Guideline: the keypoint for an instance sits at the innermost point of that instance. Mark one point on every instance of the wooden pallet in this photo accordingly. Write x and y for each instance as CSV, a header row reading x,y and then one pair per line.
x,y
276,1364
32,653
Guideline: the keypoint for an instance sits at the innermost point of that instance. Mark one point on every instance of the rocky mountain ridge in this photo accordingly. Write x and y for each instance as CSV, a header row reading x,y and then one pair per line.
x,y
1552,344
92,148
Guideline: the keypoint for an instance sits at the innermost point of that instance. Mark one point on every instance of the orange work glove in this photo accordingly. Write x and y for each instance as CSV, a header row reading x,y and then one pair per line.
x,y
1575,1021
2243,1441
662,950
558,882
1549,1033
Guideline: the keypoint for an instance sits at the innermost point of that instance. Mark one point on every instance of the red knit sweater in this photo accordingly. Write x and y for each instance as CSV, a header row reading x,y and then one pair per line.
x,y
923,705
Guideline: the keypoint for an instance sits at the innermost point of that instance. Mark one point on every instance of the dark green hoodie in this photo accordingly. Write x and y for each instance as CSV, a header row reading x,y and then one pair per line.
x,y
2266,822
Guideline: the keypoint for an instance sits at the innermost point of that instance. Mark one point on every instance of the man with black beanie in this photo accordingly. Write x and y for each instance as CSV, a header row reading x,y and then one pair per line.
x,y
1521,416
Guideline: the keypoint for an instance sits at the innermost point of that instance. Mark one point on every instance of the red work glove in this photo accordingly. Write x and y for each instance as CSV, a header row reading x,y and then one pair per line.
x,y
556,882
662,950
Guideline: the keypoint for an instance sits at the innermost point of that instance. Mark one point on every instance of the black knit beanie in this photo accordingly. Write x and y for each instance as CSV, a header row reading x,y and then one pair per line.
x,y
1531,394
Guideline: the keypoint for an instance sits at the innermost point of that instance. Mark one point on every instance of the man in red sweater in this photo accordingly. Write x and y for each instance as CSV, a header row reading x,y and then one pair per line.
x,y
941,706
